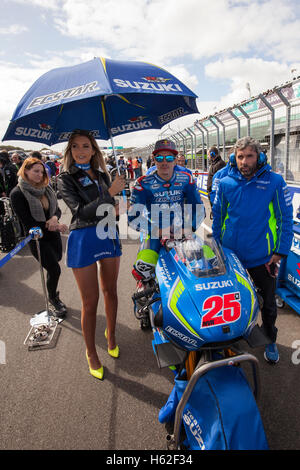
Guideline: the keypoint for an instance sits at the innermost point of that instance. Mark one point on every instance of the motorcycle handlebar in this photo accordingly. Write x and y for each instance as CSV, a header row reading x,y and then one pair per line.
x,y
143,293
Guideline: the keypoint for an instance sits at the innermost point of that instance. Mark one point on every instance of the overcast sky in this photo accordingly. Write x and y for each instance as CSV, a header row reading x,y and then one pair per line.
x,y
214,46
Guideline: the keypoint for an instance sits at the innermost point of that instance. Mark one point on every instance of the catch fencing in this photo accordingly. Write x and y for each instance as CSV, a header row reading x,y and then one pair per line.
x,y
272,117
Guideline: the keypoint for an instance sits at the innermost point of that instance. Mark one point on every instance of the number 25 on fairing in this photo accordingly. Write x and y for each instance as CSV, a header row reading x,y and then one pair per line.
x,y
221,309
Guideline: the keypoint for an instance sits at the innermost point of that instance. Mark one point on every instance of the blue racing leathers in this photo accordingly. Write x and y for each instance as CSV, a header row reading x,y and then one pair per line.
x,y
157,204
254,217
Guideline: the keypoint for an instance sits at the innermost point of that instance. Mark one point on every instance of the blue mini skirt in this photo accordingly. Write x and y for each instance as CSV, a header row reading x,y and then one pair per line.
x,y
84,247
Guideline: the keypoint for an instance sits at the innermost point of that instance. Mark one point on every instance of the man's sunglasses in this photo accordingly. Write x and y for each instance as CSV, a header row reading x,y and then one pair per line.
x,y
168,158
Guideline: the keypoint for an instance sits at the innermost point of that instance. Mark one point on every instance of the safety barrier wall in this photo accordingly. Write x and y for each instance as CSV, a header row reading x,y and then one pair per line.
x,y
272,117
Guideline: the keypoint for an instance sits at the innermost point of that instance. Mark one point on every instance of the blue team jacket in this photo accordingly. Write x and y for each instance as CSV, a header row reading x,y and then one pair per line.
x,y
254,218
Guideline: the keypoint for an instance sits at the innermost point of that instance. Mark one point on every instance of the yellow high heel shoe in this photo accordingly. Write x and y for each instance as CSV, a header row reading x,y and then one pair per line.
x,y
97,373
115,353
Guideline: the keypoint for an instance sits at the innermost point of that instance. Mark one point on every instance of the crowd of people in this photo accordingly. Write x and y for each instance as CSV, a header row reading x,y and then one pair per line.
x,y
251,211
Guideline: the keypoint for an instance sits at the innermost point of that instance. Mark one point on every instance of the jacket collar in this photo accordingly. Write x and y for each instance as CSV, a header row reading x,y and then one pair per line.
x,y
234,172
74,169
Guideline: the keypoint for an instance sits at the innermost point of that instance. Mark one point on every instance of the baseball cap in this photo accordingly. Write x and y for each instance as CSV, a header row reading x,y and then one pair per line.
x,y
165,144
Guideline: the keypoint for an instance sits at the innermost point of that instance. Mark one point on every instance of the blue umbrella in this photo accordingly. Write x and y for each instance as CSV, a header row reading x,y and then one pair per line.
x,y
107,97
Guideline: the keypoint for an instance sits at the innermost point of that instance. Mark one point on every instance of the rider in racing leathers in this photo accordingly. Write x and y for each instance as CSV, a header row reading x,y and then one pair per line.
x,y
167,201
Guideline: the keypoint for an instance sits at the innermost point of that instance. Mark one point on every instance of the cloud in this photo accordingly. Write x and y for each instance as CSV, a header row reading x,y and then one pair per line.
x,y
48,5
163,31
260,74
13,29
206,44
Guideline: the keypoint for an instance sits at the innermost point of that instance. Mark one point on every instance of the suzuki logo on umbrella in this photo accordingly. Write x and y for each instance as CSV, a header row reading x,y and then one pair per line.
x,y
137,119
45,127
165,87
156,79
136,124
298,270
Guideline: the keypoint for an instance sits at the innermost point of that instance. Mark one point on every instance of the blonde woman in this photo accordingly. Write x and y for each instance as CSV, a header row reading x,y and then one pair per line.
x,y
85,187
35,204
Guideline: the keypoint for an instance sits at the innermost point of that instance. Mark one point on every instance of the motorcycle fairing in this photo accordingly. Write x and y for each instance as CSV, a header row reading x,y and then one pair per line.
x,y
217,304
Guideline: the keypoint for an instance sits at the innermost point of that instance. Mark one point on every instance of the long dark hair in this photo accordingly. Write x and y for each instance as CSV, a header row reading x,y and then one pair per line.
x,y
97,160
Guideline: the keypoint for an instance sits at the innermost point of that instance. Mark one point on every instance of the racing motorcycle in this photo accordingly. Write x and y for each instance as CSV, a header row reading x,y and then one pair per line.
x,y
201,306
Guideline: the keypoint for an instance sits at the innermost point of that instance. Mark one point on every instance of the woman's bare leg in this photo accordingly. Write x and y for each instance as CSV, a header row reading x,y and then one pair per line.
x,y
87,281
109,271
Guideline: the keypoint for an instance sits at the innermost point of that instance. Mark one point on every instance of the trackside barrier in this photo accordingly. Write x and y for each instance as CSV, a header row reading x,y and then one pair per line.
x,y
43,326
16,250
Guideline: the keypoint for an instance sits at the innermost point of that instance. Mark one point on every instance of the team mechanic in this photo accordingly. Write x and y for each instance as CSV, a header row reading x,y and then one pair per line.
x,y
253,216
167,201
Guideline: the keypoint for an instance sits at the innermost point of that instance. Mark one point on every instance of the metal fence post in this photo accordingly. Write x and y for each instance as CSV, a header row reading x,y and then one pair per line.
x,y
203,146
184,141
218,133
241,109
238,133
287,131
193,140
224,132
272,127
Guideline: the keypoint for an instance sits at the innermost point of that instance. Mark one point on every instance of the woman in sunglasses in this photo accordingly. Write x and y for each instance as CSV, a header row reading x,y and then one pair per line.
x,y
164,198
85,187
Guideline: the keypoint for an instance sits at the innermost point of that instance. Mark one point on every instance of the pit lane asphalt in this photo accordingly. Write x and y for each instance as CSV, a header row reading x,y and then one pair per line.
x,y
50,401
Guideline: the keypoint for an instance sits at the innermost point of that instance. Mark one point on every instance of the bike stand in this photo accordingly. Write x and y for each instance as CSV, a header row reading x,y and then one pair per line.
x,y
43,329
173,440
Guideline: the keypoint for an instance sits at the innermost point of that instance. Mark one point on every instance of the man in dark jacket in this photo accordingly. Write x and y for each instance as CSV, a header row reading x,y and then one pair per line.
x,y
216,163
9,173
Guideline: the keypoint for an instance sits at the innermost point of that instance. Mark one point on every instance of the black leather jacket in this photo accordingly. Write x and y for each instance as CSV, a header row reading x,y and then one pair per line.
x,y
83,196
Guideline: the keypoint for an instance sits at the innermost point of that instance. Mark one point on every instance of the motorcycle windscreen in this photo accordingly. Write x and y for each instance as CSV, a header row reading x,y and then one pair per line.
x,y
203,258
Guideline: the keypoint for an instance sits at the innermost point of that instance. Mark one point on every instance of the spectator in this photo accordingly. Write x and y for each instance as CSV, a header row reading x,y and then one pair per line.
x,y
140,166
181,160
149,162
253,216
122,164
9,173
16,160
39,156
135,167
130,169
51,165
216,180
216,163
35,204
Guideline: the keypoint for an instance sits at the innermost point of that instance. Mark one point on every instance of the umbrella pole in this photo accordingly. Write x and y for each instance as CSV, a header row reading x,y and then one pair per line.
x,y
115,155
114,152
112,141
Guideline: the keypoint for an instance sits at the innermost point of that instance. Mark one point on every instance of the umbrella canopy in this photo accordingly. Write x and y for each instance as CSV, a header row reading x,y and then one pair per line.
x,y
107,97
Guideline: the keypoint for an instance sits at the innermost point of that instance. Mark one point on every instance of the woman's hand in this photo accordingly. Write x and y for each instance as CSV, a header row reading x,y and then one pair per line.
x,y
52,224
62,228
117,185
